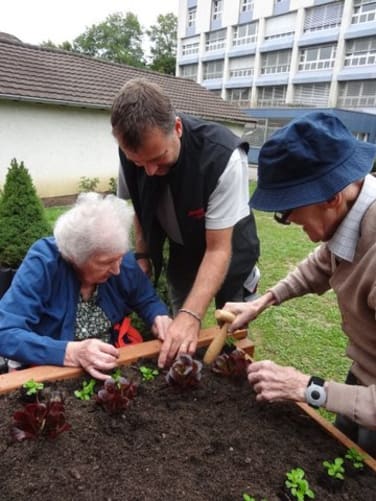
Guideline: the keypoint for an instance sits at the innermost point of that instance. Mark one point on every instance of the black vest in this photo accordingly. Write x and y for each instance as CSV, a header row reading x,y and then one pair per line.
x,y
205,151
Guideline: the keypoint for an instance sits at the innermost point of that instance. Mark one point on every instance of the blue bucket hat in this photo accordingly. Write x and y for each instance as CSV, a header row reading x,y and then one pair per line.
x,y
308,161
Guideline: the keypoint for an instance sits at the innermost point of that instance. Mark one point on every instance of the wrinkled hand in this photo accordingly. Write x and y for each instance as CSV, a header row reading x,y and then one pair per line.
x,y
160,326
180,337
245,312
273,382
92,355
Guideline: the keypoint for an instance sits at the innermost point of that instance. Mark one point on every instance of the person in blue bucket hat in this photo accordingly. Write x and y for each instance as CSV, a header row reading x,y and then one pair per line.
x,y
314,173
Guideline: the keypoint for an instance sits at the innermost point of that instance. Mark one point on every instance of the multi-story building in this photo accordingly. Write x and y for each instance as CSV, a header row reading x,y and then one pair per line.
x,y
276,58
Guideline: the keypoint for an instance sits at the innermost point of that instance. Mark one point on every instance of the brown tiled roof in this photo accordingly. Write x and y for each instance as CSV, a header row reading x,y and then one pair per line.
x,y
28,72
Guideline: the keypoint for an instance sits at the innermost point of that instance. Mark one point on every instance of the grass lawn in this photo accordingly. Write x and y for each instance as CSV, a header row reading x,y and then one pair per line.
x,y
303,332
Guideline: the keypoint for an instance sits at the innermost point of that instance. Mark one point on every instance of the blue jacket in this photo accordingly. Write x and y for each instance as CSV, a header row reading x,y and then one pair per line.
x,y
38,312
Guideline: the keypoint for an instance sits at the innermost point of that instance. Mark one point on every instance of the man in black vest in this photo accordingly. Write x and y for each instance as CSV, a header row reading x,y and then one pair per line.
x,y
188,181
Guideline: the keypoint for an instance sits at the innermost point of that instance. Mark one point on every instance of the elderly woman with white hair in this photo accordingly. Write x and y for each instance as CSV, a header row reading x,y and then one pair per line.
x,y
71,290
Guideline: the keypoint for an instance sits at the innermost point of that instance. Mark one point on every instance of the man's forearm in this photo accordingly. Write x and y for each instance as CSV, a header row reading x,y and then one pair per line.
x,y
210,276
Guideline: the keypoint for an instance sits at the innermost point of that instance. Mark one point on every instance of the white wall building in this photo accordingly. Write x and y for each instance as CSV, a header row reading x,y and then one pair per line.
x,y
55,113
278,53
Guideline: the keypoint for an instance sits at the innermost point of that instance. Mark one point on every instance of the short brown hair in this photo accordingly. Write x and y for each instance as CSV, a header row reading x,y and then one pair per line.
x,y
139,106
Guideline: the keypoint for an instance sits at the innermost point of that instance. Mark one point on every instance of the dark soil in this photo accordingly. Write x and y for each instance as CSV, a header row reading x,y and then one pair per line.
x,y
211,443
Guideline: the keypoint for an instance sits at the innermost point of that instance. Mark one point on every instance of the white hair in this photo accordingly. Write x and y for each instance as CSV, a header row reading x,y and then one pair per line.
x,y
96,223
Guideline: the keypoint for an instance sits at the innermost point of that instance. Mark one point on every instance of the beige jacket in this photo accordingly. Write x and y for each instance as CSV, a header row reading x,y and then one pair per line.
x,y
355,287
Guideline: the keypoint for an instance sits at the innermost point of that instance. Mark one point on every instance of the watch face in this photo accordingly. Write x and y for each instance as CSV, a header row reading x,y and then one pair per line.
x,y
315,394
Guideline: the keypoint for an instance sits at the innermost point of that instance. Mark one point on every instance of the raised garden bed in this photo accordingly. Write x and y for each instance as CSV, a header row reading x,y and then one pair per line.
x,y
210,443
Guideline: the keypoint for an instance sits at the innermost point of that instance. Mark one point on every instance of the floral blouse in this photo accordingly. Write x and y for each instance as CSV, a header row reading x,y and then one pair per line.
x,y
91,321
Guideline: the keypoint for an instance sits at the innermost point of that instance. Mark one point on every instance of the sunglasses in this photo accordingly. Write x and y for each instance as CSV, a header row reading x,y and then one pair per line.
x,y
282,216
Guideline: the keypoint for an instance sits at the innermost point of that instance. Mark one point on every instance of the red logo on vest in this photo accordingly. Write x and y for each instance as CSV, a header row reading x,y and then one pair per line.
x,y
197,213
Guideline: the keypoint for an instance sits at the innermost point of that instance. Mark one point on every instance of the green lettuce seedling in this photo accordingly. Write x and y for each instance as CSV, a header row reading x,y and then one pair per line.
x,y
247,497
298,485
32,387
148,374
87,390
335,468
356,459
116,375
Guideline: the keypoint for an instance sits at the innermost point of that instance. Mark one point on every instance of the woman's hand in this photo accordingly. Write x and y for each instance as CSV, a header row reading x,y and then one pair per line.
x,y
160,326
92,355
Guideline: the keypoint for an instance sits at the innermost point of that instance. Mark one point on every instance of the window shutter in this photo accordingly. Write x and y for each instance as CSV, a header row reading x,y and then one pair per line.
x,y
280,26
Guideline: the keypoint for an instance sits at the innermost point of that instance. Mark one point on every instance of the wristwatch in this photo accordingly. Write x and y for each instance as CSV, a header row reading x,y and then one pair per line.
x,y
315,393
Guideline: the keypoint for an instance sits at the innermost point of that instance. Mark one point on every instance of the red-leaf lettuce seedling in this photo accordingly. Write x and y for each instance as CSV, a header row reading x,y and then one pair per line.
x,y
40,418
115,396
232,364
185,372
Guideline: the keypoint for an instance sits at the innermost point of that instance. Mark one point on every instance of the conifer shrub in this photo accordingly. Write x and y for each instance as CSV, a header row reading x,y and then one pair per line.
x,y
22,216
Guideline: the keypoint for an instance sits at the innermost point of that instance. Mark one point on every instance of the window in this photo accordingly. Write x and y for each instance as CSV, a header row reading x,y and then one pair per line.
x,y
215,40
280,26
272,96
323,17
364,11
313,94
241,67
191,21
320,57
239,97
360,52
213,69
189,71
244,34
217,10
189,47
246,5
276,62
357,94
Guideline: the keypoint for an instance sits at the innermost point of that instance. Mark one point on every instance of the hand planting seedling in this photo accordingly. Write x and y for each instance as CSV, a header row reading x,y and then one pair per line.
x,y
297,485
87,390
115,396
185,372
148,374
355,459
37,419
335,469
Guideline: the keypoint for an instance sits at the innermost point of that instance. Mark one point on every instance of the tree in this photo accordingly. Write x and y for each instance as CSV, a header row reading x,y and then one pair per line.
x,y
163,36
118,39
66,45
22,216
